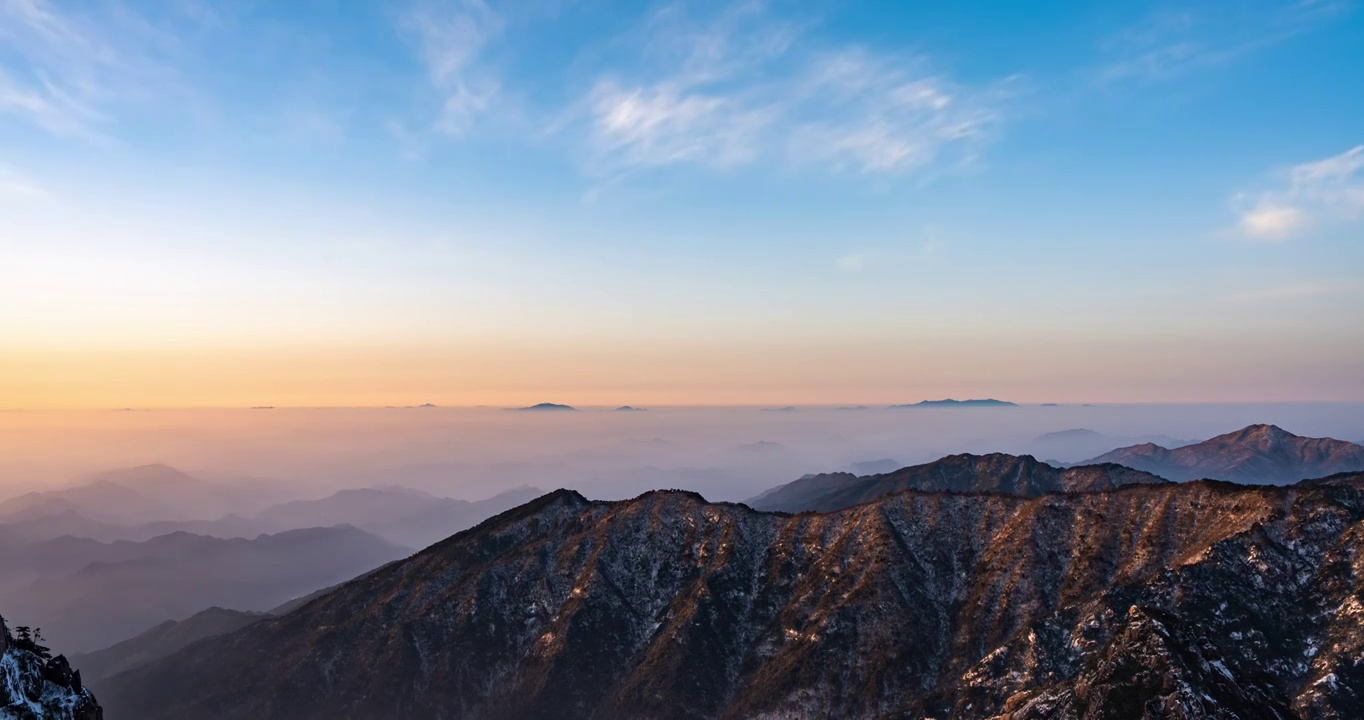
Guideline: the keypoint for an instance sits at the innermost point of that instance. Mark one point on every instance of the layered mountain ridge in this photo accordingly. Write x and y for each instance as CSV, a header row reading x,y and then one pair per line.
x,y
996,472
1203,599
1257,454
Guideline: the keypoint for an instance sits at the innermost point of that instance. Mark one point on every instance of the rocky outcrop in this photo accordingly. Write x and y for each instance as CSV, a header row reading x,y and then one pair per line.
x,y
1196,600
996,472
36,686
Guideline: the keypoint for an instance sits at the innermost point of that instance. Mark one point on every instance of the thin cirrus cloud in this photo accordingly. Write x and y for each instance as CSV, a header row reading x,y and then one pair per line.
x,y
740,88
712,90
17,190
1174,42
452,39
1298,290
1321,193
73,70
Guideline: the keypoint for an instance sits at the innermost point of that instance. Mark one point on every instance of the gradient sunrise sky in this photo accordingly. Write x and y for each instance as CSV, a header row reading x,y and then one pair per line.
x,y
375,203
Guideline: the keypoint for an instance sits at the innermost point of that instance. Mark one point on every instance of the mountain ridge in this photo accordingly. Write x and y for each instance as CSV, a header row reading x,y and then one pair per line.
x,y
992,472
668,606
1256,454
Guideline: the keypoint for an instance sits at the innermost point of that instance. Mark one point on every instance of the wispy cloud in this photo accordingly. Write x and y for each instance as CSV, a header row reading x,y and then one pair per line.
x,y
452,39
1297,290
1323,192
1173,42
740,88
883,259
18,190
851,262
69,69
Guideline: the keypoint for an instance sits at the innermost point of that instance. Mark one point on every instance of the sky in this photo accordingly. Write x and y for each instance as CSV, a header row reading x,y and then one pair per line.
x,y
326,203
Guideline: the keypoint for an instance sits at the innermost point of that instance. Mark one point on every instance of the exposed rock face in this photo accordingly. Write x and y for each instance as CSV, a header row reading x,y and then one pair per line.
x,y
1258,454
996,472
35,686
1200,600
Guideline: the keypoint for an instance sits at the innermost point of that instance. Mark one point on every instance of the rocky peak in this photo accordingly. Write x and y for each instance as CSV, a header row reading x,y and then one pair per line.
x,y
1261,436
36,686
1260,454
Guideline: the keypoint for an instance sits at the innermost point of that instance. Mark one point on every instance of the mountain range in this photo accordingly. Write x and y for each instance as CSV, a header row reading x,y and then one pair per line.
x,y
996,472
949,402
1196,600
1257,454
87,595
146,493
125,505
1080,443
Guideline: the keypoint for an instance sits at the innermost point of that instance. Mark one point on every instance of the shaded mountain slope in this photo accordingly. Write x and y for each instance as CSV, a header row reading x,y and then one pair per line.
x,y
916,605
161,641
1258,454
996,472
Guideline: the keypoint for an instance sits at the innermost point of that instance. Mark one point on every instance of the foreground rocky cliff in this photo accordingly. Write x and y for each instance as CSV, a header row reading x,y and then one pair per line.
x,y
36,686
1201,600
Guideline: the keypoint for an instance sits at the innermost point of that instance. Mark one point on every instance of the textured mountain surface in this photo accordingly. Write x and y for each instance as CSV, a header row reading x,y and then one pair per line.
x,y
1197,600
36,686
1258,454
996,472
161,641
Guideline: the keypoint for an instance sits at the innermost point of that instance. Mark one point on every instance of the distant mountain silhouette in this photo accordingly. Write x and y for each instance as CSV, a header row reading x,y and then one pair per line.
x,y
550,407
996,472
761,446
875,467
144,494
122,589
627,408
439,518
788,408
1079,443
987,402
1257,454
159,642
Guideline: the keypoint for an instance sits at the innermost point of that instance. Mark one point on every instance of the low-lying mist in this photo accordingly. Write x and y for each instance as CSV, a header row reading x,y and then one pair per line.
x,y
474,453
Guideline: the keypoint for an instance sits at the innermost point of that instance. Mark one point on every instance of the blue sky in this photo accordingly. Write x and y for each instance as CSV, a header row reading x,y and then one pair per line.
x,y
1084,201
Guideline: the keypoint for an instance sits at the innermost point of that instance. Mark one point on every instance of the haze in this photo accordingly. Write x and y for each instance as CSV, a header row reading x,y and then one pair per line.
x,y
724,453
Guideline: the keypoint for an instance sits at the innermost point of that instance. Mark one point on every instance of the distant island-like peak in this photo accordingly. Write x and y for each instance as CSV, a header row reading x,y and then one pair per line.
x,y
949,402
628,408
547,407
